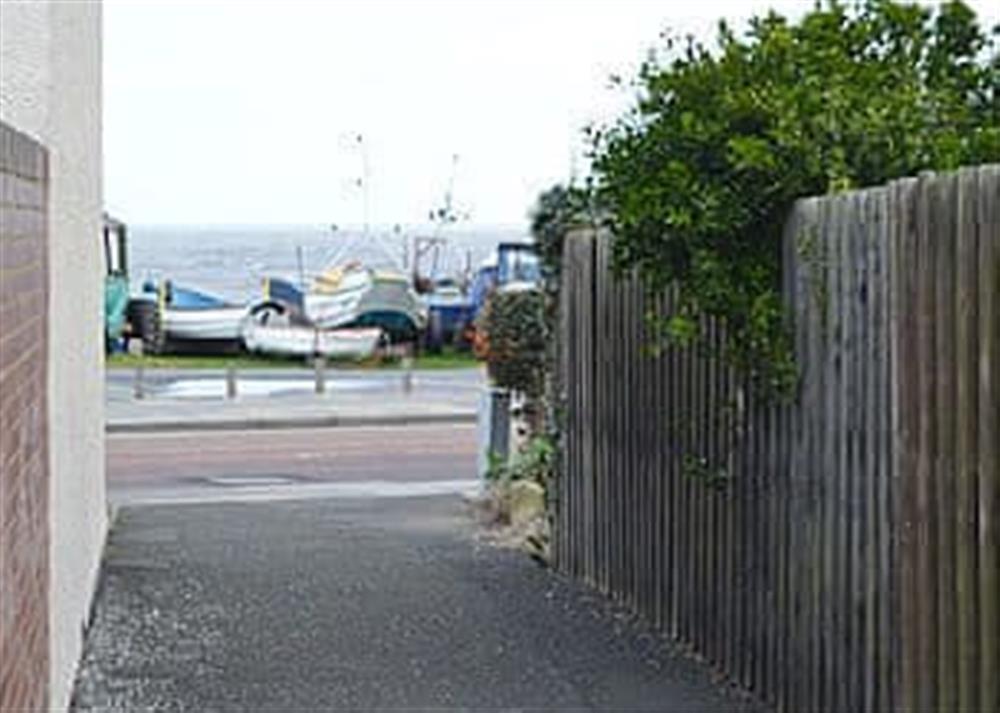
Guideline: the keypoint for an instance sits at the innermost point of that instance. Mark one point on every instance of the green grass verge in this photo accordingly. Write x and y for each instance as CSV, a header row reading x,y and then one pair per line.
x,y
447,359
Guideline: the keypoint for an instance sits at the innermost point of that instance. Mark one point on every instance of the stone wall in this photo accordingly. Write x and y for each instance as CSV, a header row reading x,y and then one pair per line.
x,y
24,465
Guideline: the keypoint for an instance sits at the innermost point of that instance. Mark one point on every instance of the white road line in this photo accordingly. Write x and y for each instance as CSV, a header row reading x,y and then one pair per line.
x,y
195,433
372,489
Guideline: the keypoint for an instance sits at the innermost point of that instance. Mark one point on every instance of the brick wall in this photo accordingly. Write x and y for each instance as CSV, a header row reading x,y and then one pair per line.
x,y
24,476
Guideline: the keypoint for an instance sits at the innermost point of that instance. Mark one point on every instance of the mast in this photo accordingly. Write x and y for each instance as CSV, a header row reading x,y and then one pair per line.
x,y
365,180
441,216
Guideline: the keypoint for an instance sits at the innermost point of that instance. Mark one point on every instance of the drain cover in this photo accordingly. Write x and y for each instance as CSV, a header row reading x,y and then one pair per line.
x,y
242,481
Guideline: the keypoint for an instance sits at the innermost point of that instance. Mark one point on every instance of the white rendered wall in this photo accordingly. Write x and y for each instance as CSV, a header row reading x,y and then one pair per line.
x,y
50,88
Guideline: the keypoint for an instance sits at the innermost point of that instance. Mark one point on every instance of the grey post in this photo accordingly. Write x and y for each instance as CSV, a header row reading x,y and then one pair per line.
x,y
500,423
230,382
137,390
407,374
320,365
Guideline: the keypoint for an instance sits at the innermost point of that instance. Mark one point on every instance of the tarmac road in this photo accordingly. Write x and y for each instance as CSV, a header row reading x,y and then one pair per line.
x,y
233,465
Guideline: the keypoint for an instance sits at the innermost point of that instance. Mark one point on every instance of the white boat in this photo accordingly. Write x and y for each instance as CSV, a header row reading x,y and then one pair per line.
x,y
297,340
353,295
193,321
217,324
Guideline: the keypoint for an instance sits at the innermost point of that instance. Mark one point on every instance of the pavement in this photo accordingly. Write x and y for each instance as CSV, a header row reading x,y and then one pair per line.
x,y
361,604
174,399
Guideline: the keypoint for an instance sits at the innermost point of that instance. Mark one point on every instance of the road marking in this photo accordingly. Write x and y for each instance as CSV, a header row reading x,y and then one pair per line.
x,y
250,480
345,430
368,489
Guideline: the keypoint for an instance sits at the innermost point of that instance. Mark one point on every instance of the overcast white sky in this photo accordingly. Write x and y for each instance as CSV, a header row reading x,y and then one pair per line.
x,y
247,111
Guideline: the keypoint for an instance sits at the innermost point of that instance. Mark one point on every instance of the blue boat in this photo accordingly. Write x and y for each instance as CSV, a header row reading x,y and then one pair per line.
x,y
192,321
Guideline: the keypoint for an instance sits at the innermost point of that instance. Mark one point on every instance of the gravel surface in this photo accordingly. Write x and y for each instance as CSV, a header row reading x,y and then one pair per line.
x,y
359,604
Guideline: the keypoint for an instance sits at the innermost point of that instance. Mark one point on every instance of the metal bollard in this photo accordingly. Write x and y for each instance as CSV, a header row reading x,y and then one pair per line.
x,y
137,387
500,421
493,430
407,375
230,382
320,364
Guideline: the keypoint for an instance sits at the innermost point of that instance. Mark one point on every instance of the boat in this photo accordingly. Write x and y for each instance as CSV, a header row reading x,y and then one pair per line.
x,y
192,321
353,295
513,266
298,340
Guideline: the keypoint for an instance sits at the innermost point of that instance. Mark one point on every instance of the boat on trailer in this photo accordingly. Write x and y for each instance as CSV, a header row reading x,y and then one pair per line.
x,y
192,321
353,295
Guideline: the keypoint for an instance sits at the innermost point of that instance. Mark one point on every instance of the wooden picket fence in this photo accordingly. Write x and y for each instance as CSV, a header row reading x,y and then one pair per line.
x,y
840,552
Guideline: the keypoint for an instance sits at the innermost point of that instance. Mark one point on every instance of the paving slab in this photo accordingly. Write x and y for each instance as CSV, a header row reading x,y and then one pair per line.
x,y
361,604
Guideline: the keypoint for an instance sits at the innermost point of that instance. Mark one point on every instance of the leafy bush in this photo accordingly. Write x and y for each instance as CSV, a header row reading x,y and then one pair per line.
x,y
514,331
698,178
556,212
535,461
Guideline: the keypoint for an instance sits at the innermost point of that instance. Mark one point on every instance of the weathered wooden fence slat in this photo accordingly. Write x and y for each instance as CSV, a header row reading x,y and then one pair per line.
x,y
988,432
850,559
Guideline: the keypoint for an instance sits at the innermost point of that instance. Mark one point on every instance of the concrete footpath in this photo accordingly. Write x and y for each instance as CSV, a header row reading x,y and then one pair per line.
x,y
359,604
172,400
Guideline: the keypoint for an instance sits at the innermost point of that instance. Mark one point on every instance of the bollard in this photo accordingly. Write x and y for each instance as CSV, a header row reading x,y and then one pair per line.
x,y
320,365
500,422
493,430
134,345
407,375
230,382
137,390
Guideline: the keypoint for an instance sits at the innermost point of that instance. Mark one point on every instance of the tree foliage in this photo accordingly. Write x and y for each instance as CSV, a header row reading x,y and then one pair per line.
x,y
697,179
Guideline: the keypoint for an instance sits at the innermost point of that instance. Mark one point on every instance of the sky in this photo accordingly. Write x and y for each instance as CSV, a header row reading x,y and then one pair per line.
x,y
250,111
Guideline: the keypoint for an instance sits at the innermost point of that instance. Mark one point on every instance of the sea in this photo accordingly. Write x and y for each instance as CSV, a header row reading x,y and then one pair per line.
x,y
230,261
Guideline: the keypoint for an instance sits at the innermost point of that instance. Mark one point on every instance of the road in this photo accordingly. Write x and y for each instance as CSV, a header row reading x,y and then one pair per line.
x,y
232,465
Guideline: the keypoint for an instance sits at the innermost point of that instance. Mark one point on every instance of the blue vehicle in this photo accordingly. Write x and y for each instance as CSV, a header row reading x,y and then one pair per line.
x,y
514,264
116,286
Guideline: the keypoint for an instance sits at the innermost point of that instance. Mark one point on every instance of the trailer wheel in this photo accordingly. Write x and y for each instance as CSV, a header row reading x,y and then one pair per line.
x,y
144,324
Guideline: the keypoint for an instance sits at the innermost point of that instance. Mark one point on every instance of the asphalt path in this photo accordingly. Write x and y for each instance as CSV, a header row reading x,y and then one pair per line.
x,y
338,569
359,604
289,463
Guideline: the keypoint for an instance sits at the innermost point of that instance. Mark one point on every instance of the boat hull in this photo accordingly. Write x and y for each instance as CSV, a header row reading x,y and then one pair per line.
x,y
307,341
202,331
366,298
219,324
